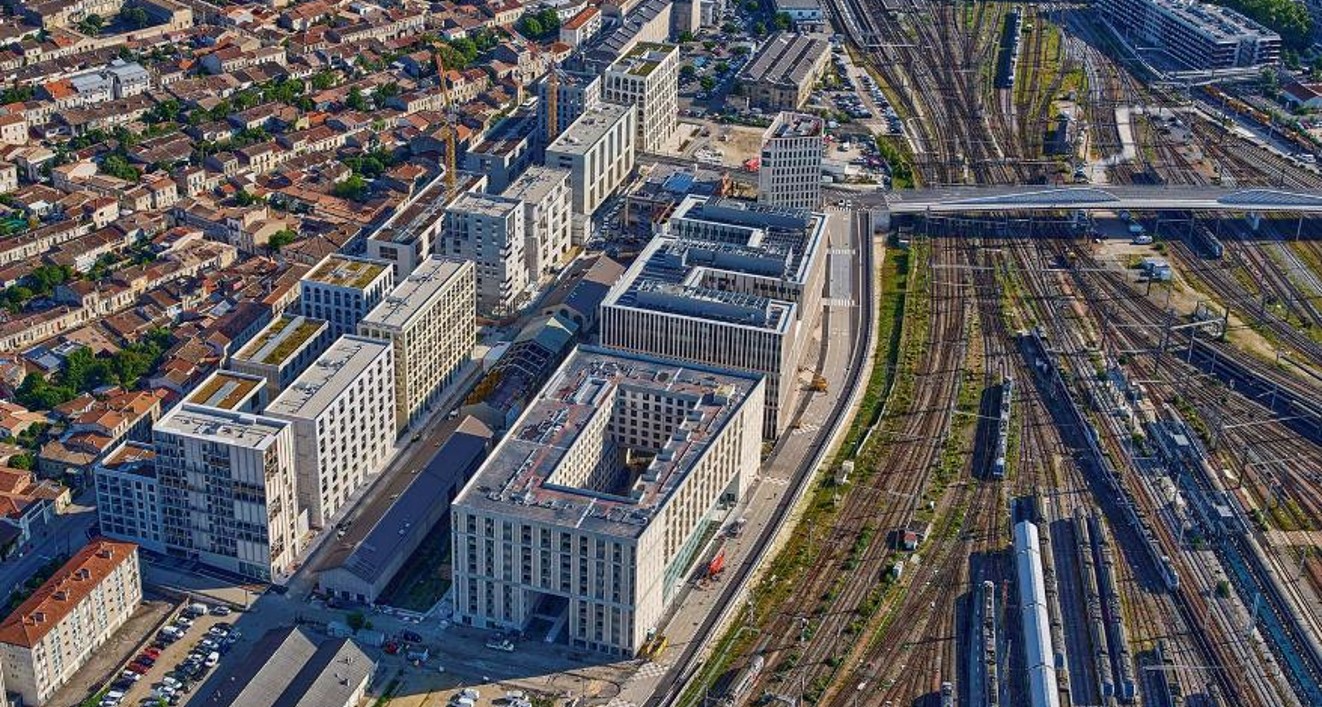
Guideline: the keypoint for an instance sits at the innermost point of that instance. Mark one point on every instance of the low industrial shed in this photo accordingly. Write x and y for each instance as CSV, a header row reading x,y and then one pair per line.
x,y
361,572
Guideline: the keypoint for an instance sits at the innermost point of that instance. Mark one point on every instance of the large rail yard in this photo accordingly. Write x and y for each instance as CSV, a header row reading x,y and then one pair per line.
x,y
1092,471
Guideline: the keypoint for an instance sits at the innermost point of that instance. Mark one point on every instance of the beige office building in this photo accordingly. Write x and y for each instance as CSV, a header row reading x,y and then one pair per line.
x,y
585,520
52,634
648,78
598,150
431,320
728,283
343,412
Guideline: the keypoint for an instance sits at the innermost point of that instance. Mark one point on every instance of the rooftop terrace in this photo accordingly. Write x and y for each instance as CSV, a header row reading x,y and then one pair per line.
x,y
348,271
226,390
281,339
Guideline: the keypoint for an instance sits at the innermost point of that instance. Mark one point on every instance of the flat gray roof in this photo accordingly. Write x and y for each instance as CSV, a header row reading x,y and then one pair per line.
x,y
584,132
519,477
329,376
221,426
431,278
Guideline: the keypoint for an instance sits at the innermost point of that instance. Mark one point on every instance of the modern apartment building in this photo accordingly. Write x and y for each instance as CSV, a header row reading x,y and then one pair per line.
x,y
791,169
598,151
282,350
489,231
431,320
228,491
128,496
547,219
647,77
342,289
48,638
575,94
728,284
592,510
342,409
1195,36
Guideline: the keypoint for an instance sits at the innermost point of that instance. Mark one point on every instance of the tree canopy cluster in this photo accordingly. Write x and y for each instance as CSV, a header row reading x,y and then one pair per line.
x,y
83,372
1288,18
540,24
41,282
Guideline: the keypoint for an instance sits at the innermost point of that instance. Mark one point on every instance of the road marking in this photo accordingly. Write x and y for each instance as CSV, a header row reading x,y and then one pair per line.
x,y
840,302
621,702
652,670
842,251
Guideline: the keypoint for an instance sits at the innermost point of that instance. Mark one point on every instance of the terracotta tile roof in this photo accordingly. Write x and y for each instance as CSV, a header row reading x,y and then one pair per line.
x,y
69,586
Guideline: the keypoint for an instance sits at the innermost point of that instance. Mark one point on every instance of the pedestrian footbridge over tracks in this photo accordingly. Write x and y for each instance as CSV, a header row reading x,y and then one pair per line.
x,y
990,200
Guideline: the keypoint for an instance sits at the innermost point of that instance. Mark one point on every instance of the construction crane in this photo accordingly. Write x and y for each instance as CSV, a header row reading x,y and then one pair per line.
x,y
451,140
552,103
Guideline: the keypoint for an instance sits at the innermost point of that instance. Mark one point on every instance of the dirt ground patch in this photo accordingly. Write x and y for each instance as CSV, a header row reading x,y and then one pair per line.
x,y
105,660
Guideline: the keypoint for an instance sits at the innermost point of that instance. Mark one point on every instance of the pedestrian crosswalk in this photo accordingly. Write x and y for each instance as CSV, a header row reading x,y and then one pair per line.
x,y
652,670
840,301
842,251
621,702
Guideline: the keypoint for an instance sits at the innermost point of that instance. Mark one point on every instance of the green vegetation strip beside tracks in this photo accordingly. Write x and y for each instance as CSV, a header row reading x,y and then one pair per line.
x,y
794,559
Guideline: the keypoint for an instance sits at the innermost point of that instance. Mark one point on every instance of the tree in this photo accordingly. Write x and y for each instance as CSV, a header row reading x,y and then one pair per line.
x,y
1288,18
355,99
92,24
354,187
687,72
22,461
708,83
134,17
530,26
751,6
355,620
117,165
783,20
245,198
323,80
722,67
281,238
685,37
760,28
740,50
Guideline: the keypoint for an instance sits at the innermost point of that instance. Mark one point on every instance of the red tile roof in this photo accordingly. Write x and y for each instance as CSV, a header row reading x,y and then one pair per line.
x,y
69,586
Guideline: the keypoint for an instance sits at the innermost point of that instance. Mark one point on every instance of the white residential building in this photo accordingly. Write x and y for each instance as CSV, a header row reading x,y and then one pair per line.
x,y
598,151
282,350
648,78
342,409
791,170
342,289
730,284
593,509
576,93
488,230
431,320
128,497
228,492
52,634
547,218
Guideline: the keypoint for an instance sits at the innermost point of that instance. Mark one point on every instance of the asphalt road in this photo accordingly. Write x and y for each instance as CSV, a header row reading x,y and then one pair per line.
x,y
66,533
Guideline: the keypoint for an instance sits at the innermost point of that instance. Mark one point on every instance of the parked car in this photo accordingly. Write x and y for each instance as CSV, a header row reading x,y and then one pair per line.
x,y
410,635
220,611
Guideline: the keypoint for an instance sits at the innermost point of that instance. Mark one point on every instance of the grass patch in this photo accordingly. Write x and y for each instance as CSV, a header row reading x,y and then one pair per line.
x,y
800,554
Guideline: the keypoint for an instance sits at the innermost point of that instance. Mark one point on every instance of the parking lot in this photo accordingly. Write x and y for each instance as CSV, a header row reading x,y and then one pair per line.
x,y
173,667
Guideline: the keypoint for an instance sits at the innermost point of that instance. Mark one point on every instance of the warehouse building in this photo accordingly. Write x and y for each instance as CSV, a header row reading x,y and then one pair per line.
x,y
289,667
588,516
342,409
728,284
431,320
782,75
1195,36
366,560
